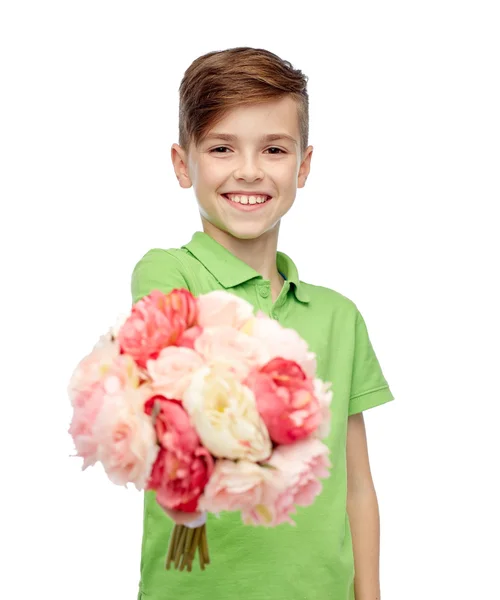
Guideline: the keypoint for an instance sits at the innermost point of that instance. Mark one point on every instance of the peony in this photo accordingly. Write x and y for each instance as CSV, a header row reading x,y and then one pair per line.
x,y
230,348
189,337
285,400
173,427
125,437
102,370
157,321
324,395
299,466
221,308
82,424
90,369
283,343
179,484
172,371
225,416
240,485
183,466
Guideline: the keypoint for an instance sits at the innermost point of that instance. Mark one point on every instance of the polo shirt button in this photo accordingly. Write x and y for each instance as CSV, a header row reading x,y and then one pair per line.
x,y
264,291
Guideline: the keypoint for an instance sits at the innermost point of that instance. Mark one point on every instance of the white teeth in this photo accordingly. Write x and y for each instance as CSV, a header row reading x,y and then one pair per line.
x,y
247,199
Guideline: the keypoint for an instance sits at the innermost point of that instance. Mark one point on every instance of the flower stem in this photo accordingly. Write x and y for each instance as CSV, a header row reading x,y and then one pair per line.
x,y
180,546
174,536
183,544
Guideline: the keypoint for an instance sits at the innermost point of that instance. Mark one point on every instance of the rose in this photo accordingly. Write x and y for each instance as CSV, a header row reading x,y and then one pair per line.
x,y
183,466
230,348
157,321
124,434
285,400
283,343
240,485
299,467
221,308
225,416
172,371
324,395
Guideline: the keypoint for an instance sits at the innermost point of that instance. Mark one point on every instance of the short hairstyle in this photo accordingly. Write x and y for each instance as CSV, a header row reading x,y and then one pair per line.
x,y
219,81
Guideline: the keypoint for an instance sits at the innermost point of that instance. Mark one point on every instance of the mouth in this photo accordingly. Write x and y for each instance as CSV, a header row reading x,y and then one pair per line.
x,y
247,202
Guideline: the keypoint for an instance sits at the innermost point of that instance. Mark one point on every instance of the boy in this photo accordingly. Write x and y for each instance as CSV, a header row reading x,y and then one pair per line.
x,y
243,147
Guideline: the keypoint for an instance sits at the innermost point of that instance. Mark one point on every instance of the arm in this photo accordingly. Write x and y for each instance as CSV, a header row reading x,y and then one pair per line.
x,y
362,508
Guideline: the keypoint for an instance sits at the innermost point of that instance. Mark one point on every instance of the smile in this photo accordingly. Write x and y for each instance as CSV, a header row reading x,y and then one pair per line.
x,y
246,203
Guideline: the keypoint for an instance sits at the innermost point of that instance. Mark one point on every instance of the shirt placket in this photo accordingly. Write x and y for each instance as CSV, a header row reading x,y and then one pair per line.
x,y
265,300
264,297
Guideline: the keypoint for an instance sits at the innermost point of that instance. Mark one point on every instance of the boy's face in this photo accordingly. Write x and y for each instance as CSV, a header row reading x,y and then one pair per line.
x,y
247,164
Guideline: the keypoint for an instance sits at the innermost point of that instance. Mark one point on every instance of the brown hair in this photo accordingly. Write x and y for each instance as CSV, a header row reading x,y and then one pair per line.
x,y
218,81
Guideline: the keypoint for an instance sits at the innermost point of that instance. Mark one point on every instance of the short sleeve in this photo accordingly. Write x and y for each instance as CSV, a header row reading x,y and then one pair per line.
x,y
158,269
369,387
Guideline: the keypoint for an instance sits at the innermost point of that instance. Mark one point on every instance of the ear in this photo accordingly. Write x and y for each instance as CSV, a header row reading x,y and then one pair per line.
x,y
305,167
180,162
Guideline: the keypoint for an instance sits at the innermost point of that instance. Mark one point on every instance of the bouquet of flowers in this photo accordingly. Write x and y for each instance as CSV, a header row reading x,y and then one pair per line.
x,y
212,407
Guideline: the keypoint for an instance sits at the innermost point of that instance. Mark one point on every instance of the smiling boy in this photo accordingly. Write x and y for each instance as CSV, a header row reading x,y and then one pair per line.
x,y
243,147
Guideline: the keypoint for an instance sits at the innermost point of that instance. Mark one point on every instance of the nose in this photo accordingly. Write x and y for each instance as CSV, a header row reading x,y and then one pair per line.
x,y
248,169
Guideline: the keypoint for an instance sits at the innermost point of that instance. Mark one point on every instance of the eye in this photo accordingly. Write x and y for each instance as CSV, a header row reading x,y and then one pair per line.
x,y
219,148
278,150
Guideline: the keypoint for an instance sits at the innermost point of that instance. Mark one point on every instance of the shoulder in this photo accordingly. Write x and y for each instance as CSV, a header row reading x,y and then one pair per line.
x,y
156,261
160,269
329,299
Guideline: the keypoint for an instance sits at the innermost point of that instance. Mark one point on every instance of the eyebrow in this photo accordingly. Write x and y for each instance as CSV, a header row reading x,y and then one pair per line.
x,y
228,137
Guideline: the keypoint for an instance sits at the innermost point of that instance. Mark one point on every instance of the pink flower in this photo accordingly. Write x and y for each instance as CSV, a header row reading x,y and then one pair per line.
x,y
283,343
87,391
173,427
241,485
285,400
221,308
227,347
299,466
82,424
172,371
124,434
183,466
179,484
189,337
91,369
157,321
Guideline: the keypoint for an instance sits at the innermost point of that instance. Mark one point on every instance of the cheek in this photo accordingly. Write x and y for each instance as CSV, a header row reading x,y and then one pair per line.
x,y
285,174
211,176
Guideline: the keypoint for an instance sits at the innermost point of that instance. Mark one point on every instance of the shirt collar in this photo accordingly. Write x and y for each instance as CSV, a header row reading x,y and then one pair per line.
x,y
230,271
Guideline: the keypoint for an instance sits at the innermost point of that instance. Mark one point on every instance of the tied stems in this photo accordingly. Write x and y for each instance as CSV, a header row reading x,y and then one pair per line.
x,y
183,544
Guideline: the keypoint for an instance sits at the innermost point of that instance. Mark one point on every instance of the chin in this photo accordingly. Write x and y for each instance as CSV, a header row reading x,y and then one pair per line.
x,y
242,232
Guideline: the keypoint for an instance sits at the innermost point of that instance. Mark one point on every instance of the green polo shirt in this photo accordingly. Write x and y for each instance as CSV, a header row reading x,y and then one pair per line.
x,y
314,559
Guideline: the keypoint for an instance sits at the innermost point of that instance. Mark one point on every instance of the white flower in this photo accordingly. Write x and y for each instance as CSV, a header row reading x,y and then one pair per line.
x,y
225,416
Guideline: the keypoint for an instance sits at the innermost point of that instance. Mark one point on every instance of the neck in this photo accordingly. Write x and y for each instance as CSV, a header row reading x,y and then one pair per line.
x,y
259,253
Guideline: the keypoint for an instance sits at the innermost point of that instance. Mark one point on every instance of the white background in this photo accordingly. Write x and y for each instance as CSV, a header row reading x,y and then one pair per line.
x,y
401,206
